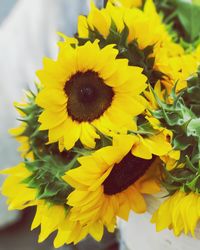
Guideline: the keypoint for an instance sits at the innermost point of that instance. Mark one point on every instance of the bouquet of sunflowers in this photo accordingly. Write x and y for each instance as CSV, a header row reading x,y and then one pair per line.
x,y
116,118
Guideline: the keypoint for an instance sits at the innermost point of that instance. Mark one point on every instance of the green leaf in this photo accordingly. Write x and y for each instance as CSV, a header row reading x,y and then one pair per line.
x,y
146,128
193,128
190,165
50,191
181,142
188,15
192,184
124,36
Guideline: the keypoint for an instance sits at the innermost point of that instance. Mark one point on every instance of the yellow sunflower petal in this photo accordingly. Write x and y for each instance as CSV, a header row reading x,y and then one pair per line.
x,y
100,20
82,27
88,135
72,134
96,230
51,119
52,97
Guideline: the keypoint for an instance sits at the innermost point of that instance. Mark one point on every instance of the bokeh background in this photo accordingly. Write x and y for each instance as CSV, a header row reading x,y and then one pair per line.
x,y
27,34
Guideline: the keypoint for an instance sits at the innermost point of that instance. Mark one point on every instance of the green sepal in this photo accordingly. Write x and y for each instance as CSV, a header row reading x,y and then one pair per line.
x,y
193,128
46,177
183,120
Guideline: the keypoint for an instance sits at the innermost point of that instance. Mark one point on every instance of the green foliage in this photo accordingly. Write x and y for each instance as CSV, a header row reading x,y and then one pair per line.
x,y
188,14
182,118
47,175
182,17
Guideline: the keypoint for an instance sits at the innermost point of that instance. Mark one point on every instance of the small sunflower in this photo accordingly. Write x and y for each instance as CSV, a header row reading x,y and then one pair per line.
x,y
179,212
112,181
88,88
19,195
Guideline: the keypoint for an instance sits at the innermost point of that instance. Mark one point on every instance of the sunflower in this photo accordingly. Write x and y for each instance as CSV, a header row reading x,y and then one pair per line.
x,y
179,69
24,147
111,182
87,88
106,19
19,195
67,231
179,212
123,26
171,160
101,20
173,49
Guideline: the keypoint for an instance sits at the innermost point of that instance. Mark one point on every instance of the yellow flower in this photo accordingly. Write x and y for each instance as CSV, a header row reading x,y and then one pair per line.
x,y
142,22
171,159
19,195
101,20
112,20
111,182
17,132
152,103
157,144
150,11
179,212
127,3
88,88
24,148
52,218
136,21
49,216
179,69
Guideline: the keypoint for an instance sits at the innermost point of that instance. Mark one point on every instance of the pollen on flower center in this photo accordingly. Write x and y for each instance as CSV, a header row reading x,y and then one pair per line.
x,y
125,173
88,96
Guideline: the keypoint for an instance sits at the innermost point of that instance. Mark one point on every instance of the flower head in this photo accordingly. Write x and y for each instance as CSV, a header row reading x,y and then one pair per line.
x,y
124,27
88,88
179,212
111,182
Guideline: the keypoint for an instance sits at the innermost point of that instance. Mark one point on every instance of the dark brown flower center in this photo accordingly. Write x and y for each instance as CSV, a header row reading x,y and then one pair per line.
x,y
125,173
88,96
